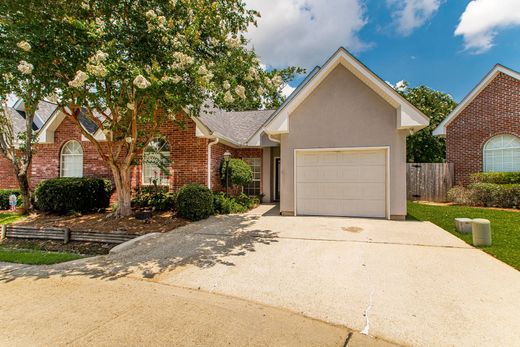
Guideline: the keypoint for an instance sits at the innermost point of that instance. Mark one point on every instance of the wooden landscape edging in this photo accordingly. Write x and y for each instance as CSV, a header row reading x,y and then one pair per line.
x,y
65,234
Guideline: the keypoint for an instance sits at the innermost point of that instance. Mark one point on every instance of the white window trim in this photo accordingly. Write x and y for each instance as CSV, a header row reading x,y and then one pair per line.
x,y
260,171
486,150
143,164
62,168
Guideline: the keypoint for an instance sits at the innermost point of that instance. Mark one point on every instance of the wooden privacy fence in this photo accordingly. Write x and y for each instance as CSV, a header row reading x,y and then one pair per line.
x,y
63,234
429,181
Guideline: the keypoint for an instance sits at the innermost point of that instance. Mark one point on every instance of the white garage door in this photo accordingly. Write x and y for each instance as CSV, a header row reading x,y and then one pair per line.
x,y
341,183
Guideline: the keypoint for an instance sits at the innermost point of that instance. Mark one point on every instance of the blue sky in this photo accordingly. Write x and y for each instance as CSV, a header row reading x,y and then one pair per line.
x,y
448,45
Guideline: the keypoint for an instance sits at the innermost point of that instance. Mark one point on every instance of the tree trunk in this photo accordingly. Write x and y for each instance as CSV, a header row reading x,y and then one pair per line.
x,y
23,182
123,189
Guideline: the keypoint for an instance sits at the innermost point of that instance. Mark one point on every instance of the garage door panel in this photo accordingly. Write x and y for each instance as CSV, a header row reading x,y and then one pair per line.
x,y
341,183
340,191
340,174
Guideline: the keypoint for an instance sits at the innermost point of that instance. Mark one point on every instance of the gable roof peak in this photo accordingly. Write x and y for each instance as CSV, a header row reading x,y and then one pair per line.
x,y
488,78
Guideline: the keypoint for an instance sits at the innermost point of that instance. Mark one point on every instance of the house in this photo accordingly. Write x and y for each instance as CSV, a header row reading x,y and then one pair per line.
x,y
483,131
335,147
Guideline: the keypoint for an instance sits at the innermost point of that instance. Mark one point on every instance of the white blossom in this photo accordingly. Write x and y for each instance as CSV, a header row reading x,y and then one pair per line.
x,y
183,60
24,46
208,77
100,26
151,14
241,91
141,82
175,79
228,97
277,80
203,70
25,68
97,70
226,85
233,42
267,81
261,91
99,57
79,79
85,5
173,3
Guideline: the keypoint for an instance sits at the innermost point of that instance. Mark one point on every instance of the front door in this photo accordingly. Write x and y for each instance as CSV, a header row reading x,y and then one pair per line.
x,y
277,179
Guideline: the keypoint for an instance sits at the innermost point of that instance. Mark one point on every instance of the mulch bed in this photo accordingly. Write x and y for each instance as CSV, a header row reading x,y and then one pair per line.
x,y
104,222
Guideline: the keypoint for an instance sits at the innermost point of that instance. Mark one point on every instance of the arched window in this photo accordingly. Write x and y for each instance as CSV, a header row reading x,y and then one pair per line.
x,y
71,160
156,162
502,154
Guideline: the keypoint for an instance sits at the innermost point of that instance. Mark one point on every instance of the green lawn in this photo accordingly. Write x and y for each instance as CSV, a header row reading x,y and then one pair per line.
x,y
505,227
30,256
6,218
35,257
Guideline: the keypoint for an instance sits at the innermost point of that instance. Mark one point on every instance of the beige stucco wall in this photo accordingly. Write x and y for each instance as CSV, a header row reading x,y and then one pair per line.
x,y
343,112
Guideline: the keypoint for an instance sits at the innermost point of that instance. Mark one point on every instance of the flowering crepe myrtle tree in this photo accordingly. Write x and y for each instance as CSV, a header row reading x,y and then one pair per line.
x,y
24,69
129,65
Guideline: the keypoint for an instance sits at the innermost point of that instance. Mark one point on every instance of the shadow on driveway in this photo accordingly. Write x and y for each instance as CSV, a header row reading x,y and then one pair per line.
x,y
202,244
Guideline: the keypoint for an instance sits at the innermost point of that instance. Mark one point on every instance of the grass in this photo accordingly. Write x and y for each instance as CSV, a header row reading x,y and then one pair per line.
x,y
30,256
35,257
6,218
505,227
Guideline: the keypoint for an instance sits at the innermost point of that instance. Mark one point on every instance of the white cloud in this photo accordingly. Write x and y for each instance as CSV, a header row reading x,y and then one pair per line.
x,y
305,32
409,15
483,18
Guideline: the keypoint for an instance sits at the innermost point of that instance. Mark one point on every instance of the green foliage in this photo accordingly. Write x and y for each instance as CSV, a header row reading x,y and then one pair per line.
x,y
194,202
158,201
239,172
4,197
423,147
69,194
496,177
225,204
487,195
35,257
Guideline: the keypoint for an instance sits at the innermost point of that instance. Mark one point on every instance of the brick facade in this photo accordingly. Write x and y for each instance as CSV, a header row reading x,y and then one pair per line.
x,y
495,111
188,153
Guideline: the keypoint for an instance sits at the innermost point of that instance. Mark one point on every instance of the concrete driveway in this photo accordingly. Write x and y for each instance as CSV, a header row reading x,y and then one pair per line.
x,y
407,282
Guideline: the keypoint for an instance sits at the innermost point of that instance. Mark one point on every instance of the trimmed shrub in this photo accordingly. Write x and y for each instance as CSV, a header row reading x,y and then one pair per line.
x,y
68,194
4,197
194,202
159,201
239,171
496,177
496,195
461,196
224,204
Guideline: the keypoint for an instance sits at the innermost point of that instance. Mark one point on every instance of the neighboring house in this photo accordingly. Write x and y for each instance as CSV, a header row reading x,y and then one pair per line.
x,y
483,131
337,146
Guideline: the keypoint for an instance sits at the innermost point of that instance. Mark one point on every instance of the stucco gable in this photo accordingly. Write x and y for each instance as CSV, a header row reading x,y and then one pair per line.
x,y
408,117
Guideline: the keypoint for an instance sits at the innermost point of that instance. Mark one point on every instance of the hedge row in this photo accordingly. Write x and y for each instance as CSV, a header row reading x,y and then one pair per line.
x,y
496,177
487,194
82,194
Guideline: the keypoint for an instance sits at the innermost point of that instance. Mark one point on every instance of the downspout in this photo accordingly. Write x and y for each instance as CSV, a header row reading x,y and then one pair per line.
x,y
209,160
